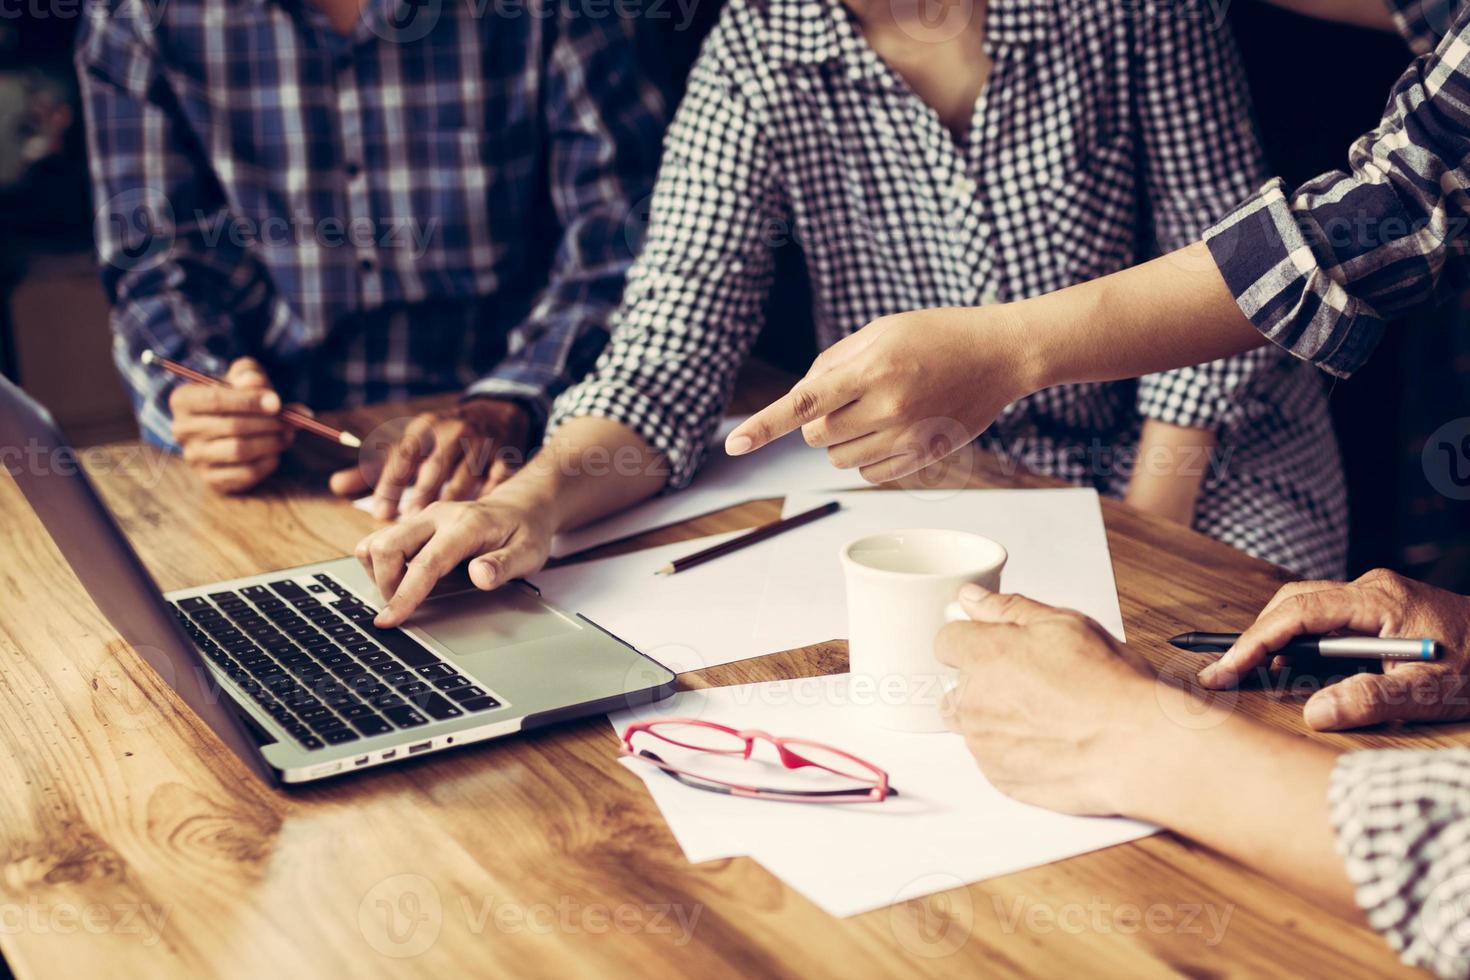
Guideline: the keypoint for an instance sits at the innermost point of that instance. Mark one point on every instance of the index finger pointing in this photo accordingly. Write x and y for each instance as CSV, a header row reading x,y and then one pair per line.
x,y
436,559
811,399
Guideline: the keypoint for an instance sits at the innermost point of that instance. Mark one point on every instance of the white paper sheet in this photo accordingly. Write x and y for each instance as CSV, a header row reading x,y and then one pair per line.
x,y
787,592
948,826
699,618
1056,545
787,465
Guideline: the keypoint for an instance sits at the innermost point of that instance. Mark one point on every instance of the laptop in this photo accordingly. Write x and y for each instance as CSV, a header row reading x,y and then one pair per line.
x,y
287,668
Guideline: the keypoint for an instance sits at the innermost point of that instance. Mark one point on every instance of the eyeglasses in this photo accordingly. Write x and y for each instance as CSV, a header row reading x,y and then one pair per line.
x,y
866,783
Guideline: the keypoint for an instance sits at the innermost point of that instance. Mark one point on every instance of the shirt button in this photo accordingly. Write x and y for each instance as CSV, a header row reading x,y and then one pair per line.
x,y
367,265
963,187
343,62
988,298
353,169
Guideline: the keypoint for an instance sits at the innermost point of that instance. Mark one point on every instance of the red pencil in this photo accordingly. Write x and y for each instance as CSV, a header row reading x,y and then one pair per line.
x,y
289,416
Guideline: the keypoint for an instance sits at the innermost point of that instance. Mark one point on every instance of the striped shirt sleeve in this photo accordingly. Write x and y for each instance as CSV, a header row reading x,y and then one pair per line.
x,y
1402,819
1320,271
1422,22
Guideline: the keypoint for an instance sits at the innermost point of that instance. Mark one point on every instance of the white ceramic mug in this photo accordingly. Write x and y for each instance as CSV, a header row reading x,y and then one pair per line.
x,y
901,588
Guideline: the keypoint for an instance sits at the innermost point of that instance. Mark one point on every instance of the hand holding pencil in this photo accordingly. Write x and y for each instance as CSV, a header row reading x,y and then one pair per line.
x,y
233,430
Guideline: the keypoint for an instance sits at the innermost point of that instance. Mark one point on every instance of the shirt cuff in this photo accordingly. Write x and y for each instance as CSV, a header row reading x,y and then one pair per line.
x,y
679,443
1404,833
151,386
1269,266
532,397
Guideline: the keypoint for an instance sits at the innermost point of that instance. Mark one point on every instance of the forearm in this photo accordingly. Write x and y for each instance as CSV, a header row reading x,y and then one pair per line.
x,y
1359,13
591,467
1164,314
1169,469
1255,794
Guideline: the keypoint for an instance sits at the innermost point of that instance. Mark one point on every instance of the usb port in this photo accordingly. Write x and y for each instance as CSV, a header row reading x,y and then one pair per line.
x,y
421,747
361,762
390,754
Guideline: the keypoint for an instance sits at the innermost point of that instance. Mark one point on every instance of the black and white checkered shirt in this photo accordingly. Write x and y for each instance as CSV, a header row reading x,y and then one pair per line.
x,y
1403,828
1106,131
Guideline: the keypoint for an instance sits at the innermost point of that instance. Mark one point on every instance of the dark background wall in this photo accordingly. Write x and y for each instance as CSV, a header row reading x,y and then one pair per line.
x,y
1316,87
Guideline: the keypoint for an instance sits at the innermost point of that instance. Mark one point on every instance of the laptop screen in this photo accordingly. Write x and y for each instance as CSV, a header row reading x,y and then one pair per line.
x,y
34,452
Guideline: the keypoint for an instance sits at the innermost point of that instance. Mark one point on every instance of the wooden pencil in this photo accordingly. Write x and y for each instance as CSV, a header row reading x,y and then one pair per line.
x,y
746,540
290,416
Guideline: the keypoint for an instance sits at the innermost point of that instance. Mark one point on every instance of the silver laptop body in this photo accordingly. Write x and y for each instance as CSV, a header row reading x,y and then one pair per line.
x,y
286,667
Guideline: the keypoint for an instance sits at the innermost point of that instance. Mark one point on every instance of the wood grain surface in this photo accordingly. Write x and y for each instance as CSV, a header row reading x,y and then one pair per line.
x,y
133,844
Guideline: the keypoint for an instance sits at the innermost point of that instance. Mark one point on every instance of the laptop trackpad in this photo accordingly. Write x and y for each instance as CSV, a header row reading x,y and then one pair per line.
x,y
475,621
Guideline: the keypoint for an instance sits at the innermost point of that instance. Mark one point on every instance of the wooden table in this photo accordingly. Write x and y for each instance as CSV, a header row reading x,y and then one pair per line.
x,y
134,845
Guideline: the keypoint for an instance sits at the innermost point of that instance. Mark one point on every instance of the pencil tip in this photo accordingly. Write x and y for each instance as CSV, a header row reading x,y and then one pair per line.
x,y
350,441
148,357
666,570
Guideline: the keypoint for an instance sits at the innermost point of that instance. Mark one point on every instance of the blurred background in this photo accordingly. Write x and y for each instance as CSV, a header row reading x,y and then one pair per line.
x,y
1316,88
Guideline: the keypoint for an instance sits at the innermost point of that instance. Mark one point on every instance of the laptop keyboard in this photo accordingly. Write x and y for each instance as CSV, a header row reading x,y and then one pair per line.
x,y
311,657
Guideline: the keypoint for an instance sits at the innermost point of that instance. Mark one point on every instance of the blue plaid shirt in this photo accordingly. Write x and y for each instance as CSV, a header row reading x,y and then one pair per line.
x,y
446,199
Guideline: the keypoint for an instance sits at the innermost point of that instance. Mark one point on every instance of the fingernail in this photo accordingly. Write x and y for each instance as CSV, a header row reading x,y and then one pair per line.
x,y
973,592
270,402
738,445
1208,675
1320,713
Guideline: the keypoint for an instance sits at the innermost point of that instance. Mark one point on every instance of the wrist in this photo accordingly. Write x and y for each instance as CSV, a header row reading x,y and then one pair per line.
x,y
1160,750
531,490
1029,365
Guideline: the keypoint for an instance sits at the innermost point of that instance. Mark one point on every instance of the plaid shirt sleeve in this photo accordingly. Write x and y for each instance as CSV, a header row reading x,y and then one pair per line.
x,y
1402,819
606,121
1320,271
1200,157
1423,22
696,296
157,200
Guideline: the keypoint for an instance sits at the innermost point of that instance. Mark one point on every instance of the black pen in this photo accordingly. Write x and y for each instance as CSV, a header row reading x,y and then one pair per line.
x,y
1349,647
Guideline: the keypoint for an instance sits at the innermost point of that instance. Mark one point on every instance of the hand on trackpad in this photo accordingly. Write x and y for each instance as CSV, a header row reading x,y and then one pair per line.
x,y
468,620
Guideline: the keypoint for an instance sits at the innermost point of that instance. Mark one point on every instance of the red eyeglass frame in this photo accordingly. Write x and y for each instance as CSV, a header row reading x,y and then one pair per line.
x,y
877,793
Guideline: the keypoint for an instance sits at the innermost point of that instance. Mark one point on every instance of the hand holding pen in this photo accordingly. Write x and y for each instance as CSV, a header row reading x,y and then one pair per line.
x,y
233,430
1379,604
